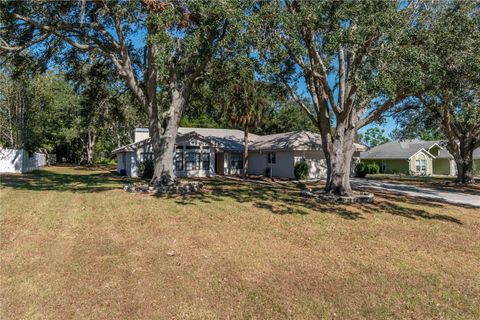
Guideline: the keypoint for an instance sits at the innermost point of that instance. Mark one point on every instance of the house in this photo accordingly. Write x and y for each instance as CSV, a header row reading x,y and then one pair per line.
x,y
414,157
201,152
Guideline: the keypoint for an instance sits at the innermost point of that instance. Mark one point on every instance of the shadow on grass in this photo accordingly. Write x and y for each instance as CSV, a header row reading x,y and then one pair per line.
x,y
391,206
285,199
280,199
50,180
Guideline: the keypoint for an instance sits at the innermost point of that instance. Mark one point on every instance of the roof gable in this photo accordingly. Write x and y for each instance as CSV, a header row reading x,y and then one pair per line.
x,y
424,151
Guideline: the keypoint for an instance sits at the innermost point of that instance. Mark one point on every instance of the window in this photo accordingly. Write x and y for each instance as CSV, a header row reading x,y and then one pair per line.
x,y
179,160
192,147
271,157
146,156
192,161
420,165
236,161
206,161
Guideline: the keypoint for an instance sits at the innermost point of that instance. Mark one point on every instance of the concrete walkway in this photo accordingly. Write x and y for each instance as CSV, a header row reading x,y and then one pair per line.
x,y
411,190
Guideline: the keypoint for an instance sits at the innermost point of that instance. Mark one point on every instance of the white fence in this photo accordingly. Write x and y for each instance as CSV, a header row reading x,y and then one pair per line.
x,y
20,161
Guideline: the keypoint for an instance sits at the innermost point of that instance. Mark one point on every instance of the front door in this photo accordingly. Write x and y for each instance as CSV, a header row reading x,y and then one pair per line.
x,y
219,163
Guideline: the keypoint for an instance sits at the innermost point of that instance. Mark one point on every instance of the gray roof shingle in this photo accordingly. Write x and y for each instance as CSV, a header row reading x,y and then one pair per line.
x,y
397,149
232,140
407,148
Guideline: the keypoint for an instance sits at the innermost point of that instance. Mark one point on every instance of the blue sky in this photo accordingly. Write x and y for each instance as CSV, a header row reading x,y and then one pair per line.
x,y
388,126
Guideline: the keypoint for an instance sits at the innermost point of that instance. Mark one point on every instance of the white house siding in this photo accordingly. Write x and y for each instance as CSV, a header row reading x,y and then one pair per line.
x,y
283,166
257,163
127,161
120,163
316,161
20,161
133,161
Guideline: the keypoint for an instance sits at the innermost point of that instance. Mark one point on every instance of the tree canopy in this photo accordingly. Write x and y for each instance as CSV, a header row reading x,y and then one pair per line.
x,y
356,59
345,65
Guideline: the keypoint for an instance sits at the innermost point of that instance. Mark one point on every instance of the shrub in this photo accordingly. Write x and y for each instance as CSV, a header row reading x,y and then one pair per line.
x,y
361,169
146,169
373,168
301,170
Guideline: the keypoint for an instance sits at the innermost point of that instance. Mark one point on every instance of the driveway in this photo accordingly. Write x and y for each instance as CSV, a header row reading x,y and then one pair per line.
x,y
411,190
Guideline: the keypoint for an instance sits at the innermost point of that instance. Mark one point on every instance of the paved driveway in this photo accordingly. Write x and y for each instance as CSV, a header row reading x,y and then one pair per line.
x,y
411,190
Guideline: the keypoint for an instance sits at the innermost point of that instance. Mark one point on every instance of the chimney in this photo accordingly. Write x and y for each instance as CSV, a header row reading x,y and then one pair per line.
x,y
141,134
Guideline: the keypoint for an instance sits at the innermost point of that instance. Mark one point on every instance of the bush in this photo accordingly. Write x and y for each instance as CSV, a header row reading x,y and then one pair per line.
x,y
146,169
361,169
373,168
301,170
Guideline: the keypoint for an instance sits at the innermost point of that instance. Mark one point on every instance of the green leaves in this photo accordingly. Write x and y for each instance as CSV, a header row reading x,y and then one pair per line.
x,y
374,137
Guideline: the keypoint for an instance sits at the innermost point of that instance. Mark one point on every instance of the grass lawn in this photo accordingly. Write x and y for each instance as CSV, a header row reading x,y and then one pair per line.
x,y
75,245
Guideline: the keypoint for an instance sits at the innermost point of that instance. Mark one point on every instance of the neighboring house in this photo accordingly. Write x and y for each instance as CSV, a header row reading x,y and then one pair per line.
x,y
414,157
201,152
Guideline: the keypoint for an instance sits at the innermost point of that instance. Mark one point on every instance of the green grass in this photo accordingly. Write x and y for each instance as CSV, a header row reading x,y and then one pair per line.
x,y
75,245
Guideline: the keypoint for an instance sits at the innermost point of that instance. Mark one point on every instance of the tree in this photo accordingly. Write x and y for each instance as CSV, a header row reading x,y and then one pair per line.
x,y
357,59
284,116
36,109
456,100
416,123
453,102
243,97
374,137
99,90
460,118
181,37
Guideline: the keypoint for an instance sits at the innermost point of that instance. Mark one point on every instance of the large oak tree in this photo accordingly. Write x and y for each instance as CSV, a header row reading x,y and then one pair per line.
x,y
355,59
179,39
451,106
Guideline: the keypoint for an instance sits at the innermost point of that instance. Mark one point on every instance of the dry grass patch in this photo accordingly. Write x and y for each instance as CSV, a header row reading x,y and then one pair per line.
x,y
74,245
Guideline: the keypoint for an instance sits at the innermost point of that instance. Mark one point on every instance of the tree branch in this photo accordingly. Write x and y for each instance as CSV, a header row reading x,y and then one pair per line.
x,y
52,30
316,60
375,115
5,46
300,102
341,77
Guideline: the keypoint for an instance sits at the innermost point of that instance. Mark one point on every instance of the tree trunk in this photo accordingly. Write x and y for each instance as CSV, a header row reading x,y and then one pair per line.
x,y
461,147
465,167
245,153
10,135
340,152
163,142
90,148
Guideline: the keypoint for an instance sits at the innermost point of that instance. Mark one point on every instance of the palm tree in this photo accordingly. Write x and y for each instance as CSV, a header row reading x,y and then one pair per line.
x,y
248,115
246,98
